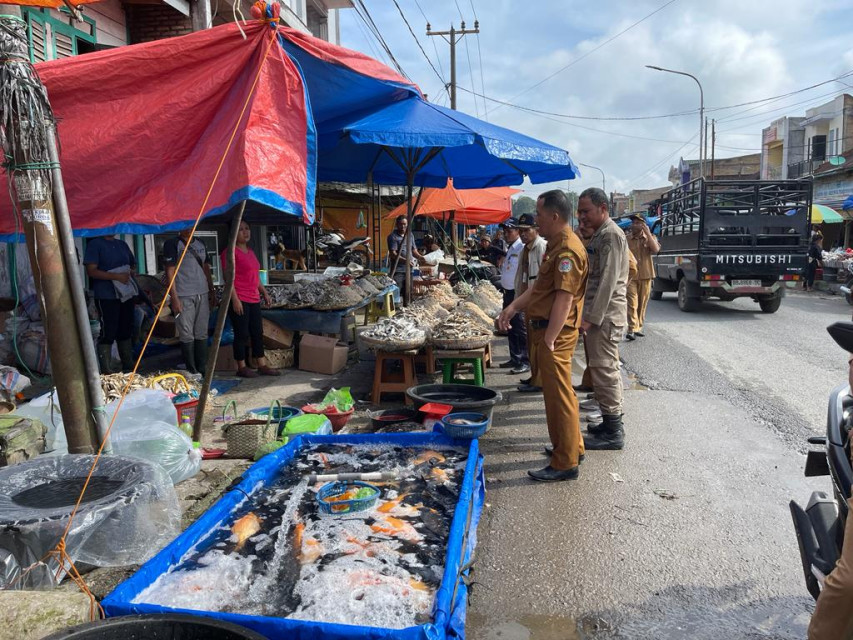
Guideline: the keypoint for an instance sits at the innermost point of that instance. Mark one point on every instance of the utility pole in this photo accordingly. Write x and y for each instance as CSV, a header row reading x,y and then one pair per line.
x,y
713,144
27,120
452,37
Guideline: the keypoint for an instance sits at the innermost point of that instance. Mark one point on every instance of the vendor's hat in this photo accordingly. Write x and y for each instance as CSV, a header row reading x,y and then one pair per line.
x,y
509,224
526,221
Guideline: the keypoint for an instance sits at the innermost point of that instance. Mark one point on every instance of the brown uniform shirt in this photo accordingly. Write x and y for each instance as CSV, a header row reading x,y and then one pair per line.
x,y
632,266
608,276
564,268
645,264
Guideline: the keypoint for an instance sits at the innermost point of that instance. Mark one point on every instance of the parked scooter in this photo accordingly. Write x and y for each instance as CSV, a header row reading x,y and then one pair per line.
x,y
847,287
338,251
820,526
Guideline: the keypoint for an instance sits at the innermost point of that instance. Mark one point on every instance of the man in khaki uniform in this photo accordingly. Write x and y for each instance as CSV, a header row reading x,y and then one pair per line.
x,y
605,313
528,269
643,245
555,306
631,294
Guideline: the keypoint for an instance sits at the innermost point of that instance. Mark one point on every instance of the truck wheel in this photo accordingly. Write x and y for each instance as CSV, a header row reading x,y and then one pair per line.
x,y
686,302
658,295
770,305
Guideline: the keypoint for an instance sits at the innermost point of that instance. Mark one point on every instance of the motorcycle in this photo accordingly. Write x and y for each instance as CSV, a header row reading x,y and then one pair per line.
x,y
820,526
339,251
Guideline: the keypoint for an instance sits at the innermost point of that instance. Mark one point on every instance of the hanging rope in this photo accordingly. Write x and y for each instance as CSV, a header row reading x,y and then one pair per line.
x,y
59,553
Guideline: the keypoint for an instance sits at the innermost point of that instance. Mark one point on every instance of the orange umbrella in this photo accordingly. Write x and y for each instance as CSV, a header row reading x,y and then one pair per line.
x,y
471,206
52,4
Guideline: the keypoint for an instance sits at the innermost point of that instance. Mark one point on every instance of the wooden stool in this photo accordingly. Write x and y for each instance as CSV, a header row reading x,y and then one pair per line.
x,y
487,359
376,310
426,357
451,359
387,382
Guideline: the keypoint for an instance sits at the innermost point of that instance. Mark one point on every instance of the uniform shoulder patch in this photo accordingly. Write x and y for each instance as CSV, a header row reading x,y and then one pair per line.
x,y
565,265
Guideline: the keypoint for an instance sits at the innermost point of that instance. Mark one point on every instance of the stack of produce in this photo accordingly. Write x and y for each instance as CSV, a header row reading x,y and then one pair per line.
x,y
460,331
489,299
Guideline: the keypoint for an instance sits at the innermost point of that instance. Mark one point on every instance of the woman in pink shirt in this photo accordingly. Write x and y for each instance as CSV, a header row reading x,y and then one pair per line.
x,y
245,309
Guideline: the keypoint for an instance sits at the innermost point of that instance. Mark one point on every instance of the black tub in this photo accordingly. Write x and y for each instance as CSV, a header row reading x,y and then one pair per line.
x,y
462,397
157,627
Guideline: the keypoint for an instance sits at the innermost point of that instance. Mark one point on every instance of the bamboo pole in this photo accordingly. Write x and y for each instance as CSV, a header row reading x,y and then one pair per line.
x,y
220,323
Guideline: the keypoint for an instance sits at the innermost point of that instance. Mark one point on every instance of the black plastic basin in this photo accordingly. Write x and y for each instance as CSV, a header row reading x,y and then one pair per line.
x,y
158,627
462,397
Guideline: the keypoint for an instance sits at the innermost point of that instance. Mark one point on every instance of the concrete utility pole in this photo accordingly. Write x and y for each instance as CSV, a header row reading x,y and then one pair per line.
x,y
27,120
713,144
452,37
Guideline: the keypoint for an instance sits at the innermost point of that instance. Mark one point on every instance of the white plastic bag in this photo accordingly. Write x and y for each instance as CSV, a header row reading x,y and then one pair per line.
x,y
146,427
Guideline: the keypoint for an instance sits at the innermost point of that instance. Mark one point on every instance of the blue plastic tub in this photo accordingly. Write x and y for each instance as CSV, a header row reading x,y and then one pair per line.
x,y
465,431
340,507
450,604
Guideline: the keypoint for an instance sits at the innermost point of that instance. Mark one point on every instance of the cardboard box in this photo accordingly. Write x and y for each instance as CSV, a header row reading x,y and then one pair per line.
x,y
321,355
275,337
225,358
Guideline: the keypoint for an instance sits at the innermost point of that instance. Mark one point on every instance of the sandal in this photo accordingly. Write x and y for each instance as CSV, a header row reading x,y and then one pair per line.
x,y
268,371
246,372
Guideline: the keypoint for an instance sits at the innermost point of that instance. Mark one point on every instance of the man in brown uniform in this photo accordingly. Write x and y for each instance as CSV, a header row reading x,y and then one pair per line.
x,y
555,305
643,244
604,318
631,293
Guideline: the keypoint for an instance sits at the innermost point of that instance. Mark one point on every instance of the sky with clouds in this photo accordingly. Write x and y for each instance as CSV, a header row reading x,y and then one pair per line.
x,y
741,50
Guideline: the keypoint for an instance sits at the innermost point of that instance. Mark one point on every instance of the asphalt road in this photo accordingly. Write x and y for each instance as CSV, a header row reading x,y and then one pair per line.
x,y
686,533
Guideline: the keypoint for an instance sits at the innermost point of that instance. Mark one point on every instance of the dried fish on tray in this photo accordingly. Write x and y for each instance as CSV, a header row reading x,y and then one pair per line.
x,y
459,331
113,384
476,314
463,289
335,296
443,294
395,334
425,317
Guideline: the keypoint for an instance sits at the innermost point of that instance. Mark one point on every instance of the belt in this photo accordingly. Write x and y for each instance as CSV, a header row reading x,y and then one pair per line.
x,y
536,323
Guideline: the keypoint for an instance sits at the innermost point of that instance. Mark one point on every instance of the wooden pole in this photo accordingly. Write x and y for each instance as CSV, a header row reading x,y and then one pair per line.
x,y
220,323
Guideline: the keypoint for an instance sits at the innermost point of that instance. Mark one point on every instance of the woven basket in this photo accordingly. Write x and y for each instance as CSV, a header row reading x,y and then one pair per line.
x,y
246,435
461,344
383,344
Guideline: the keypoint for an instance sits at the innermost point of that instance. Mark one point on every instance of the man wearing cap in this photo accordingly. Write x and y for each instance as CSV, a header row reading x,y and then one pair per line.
x,y
555,304
643,244
528,269
486,251
604,316
519,361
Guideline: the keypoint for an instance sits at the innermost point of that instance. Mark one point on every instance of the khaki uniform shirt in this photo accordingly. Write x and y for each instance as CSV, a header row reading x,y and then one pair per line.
x,y
645,264
564,268
632,266
608,276
528,268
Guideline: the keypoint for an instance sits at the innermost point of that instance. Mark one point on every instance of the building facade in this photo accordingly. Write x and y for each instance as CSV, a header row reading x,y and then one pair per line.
x,y
783,145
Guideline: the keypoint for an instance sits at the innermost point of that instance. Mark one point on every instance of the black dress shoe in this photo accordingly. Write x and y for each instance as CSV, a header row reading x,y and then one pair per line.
x,y
529,388
520,369
549,474
579,388
526,380
508,364
549,451
630,337
640,334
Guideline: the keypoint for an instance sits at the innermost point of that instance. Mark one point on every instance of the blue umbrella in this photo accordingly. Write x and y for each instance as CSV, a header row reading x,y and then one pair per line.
x,y
413,142
848,204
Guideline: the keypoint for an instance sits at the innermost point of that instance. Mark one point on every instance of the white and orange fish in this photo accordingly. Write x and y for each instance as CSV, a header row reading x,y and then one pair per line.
x,y
396,528
245,528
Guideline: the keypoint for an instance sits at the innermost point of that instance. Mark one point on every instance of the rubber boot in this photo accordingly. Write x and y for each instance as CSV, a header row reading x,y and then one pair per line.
x,y
200,347
188,354
105,358
611,436
125,352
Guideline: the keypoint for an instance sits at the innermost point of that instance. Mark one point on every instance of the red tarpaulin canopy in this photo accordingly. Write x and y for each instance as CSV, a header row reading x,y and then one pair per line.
x,y
470,206
144,128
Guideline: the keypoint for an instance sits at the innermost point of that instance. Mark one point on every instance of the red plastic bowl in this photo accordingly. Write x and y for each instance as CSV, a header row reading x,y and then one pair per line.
x,y
337,418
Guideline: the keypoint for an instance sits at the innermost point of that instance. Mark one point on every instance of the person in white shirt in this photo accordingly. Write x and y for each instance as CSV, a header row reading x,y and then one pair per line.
x,y
519,359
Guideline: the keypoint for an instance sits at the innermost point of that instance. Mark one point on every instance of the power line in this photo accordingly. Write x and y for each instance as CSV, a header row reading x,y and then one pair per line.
x,y
434,46
418,42
588,53
471,74
364,14
480,60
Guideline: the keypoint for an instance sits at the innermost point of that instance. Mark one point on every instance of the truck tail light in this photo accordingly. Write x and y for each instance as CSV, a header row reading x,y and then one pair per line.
x,y
789,278
715,278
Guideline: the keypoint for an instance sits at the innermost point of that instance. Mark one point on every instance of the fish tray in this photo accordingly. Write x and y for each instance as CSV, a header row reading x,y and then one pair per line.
x,y
444,620
461,344
465,431
341,507
384,344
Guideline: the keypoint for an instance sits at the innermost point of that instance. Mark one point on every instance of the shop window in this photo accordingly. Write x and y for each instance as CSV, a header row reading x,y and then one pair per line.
x,y
51,38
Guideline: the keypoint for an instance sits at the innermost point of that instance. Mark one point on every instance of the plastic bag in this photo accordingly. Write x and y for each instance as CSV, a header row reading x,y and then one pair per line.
x,y
314,423
341,399
130,511
146,427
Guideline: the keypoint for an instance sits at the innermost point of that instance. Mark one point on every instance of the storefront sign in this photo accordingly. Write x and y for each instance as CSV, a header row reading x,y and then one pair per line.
x,y
832,189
